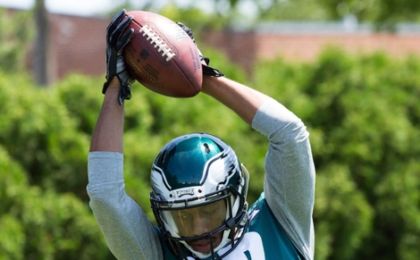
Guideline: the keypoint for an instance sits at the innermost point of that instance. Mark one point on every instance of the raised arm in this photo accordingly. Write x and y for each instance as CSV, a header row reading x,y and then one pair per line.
x,y
108,133
128,232
290,174
244,100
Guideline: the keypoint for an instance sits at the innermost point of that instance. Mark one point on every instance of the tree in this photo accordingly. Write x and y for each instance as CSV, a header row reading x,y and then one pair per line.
x,y
15,36
384,13
40,60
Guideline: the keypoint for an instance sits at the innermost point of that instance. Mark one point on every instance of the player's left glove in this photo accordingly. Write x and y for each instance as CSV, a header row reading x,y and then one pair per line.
x,y
117,37
207,70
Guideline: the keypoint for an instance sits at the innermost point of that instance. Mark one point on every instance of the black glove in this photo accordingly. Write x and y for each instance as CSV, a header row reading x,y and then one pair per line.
x,y
117,38
207,70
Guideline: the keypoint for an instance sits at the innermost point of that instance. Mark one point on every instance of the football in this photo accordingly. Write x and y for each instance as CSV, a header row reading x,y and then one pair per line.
x,y
162,57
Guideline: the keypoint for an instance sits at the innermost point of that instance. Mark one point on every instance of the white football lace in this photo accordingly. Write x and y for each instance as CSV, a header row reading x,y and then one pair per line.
x,y
157,42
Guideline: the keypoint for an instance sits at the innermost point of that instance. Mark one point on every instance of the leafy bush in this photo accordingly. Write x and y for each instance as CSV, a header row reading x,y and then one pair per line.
x,y
43,224
363,116
362,113
39,133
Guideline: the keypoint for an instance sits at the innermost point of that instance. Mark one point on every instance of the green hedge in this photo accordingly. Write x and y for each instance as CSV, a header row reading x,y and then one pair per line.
x,y
362,113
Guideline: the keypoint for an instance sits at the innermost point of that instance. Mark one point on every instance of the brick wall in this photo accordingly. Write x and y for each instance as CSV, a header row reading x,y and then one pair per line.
x,y
307,47
77,44
246,48
240,47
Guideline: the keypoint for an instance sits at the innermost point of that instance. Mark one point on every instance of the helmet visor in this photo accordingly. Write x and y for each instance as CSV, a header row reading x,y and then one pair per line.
x,y
201,219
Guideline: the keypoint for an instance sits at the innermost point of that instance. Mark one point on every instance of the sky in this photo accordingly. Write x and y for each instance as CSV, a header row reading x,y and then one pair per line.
x,y
80,7
91,7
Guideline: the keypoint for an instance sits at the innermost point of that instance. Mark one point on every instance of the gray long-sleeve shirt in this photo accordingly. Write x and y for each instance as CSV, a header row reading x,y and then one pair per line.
x,y
289,189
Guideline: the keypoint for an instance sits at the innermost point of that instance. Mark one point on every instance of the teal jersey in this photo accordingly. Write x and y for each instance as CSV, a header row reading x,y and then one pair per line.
x,y
263,239
276,243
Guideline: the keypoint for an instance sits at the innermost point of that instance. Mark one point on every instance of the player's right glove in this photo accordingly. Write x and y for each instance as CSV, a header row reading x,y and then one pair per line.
x,y
207,70
117,38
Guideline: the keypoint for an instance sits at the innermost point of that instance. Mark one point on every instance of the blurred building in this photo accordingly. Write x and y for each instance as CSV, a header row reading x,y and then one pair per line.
x,y
77,45
303,41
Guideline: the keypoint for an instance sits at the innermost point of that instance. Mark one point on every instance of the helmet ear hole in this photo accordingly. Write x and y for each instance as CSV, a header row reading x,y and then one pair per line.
x,y
206,148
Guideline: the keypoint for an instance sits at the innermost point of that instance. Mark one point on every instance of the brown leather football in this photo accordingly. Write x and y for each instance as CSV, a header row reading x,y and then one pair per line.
x,y
162,57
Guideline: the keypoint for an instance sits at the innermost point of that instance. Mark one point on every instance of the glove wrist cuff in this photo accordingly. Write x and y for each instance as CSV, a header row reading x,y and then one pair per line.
x,y
209,71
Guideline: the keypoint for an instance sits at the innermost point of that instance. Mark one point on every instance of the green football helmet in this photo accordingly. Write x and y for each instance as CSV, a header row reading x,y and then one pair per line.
x,y
199,175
